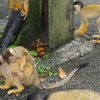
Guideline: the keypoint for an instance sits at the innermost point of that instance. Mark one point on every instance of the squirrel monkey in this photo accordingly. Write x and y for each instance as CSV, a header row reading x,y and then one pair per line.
x,y
20,67
8,55
22,5
86,12
29,75
74,94
13,76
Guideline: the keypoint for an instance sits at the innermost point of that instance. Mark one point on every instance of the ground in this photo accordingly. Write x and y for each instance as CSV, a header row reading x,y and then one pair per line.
x,y
86,78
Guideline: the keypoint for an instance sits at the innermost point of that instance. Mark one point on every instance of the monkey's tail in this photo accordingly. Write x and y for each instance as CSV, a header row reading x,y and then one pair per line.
x,y
65,80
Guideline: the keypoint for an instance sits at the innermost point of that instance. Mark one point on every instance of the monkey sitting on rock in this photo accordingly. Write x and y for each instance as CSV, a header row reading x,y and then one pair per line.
x,y
25,73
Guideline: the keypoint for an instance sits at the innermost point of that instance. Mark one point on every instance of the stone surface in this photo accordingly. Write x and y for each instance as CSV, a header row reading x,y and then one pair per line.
x,y
86,78
60,22
78,47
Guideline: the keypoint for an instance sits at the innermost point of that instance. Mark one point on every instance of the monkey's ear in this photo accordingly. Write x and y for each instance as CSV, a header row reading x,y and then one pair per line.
x,y
11,51
77,7
1,58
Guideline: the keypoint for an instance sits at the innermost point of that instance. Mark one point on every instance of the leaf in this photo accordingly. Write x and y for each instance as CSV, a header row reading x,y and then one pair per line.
x,y
34,53
12,46
39,48
41,53
42,79
55,74
61,74
69,64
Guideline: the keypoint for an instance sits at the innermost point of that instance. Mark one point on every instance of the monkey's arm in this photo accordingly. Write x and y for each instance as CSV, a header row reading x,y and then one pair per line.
x,y
84,25
13,4
8,84
18,84
26,5
18,5
23,62
26,8
82,29
9,79
10,4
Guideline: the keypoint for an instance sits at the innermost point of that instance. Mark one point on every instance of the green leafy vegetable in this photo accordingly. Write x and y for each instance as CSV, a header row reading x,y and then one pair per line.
x,y
34,53
12,46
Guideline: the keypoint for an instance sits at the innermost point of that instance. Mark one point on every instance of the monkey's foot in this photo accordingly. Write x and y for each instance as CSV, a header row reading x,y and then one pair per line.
x,y
96,36
14,91
95,41
4,87
78,33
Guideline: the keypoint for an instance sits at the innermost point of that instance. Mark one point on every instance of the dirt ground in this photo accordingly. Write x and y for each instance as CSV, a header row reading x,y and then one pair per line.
x,y
86,78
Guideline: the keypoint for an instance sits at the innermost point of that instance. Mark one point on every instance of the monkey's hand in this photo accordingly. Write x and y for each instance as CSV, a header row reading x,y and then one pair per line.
x,y
95,41
78,32
16,9
96,36
4,87
23,14
14,91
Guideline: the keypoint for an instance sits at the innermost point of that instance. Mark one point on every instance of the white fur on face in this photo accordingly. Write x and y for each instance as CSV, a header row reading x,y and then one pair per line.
x,y
1,58
11,51
77,9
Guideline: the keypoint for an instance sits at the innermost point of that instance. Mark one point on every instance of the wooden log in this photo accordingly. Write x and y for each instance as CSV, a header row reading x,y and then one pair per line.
x,y
12,29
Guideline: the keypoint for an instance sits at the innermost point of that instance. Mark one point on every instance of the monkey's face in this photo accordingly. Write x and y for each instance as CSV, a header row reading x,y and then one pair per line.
x,y
77,9
11,59
77,6
78,3
8,55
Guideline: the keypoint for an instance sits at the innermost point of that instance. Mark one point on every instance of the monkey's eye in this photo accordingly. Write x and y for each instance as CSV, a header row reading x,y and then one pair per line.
x,y
12,59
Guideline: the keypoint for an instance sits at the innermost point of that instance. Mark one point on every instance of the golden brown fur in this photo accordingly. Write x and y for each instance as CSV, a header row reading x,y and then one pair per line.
x,y
29,74
86,12
23,5
75,94
14,76
8,55
11,75
78,94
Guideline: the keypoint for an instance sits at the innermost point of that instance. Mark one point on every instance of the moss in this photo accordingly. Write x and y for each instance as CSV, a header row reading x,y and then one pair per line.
x,y
33,22
60,22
